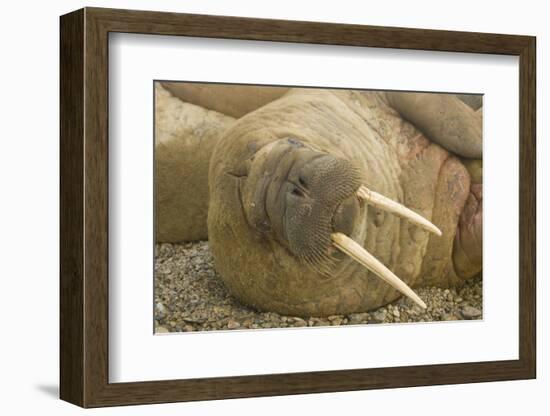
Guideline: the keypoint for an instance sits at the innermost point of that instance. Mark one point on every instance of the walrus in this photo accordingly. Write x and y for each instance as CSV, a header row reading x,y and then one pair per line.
x,y
325,202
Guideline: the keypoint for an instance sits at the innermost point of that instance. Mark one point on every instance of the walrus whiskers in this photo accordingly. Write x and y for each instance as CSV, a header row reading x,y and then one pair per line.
x,y
386,204
363,257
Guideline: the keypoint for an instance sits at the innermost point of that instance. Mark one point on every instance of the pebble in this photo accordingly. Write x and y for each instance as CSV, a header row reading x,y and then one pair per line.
x,y
336,321
166,250
299,322
378,316
469,312
358,318
161,330
449,317
318,322
233,324
190,296
160,310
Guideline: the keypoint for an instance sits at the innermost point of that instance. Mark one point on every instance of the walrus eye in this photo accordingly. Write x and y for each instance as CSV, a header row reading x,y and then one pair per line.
x,y
297,192
363,257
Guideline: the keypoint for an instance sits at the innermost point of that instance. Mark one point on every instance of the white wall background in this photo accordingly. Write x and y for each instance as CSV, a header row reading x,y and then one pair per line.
x,y
29,210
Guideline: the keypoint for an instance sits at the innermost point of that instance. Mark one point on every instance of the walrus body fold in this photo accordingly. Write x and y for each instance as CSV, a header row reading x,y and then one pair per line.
x,y
185,137
277,169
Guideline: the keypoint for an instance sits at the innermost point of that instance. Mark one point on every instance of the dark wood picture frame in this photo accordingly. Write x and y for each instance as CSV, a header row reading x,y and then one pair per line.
x,y
84,207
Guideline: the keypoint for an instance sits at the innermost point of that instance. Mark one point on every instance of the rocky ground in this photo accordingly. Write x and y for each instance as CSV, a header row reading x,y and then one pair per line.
x,y
190,297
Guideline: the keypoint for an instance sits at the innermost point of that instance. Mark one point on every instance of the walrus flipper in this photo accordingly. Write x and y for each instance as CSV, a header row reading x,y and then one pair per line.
x,y
475,101
444,118
234,100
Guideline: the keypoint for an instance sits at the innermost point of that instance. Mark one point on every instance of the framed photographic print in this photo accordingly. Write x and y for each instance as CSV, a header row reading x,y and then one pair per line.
x,y
255,207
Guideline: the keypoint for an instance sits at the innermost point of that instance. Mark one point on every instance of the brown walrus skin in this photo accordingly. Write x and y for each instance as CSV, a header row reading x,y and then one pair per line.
x,y
283,177
185,137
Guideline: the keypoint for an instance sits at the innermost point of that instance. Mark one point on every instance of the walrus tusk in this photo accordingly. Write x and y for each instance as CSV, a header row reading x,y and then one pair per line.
x,y
363,257
396,208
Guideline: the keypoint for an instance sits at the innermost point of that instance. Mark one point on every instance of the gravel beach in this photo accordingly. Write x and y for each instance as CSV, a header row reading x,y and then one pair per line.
x,y
189,296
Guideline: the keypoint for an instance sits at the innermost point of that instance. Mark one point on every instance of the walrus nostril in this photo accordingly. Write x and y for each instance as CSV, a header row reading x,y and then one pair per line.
x,y
346,215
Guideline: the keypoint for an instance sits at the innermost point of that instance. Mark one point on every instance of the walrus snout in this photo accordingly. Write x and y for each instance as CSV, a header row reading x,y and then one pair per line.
x,y
326,202
298,196
332,183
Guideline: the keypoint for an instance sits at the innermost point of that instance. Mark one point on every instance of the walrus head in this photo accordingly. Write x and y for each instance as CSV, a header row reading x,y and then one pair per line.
x,y
309,202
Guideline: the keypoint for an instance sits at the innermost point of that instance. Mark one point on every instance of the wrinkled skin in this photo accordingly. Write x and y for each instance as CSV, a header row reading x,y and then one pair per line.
x,y
283,177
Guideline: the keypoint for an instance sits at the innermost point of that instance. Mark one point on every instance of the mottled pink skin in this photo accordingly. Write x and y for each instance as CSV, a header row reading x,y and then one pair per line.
x,y
467,249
